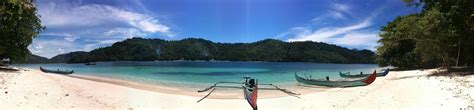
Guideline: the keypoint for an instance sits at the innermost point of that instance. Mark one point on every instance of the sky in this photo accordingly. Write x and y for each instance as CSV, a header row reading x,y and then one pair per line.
x,y
84,25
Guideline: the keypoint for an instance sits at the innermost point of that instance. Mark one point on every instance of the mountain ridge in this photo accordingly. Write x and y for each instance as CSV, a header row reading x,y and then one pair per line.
x,y
273,50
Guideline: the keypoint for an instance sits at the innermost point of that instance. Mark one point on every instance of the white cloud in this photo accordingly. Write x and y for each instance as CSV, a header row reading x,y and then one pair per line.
x,y
336,11
123,32
51,47
337,15
110,41
99,15
354,36
295,31
327,33
76,26
341,7
322,29
71,38
56,34
364,40
358,38
153,26
140,21
35,49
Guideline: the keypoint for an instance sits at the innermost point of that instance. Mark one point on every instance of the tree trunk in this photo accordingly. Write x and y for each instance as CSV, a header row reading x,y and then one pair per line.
x,y
459,52
446,62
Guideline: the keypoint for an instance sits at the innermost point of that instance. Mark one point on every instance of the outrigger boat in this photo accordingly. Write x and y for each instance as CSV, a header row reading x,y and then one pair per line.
x,y
250,87
348,75
56,71
384,73
320,82
90,63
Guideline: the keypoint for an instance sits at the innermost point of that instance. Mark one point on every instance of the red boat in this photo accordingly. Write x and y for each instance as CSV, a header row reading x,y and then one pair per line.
x,y
250,86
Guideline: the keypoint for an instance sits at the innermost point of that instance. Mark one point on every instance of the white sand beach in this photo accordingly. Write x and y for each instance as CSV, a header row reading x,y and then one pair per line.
x,y
33,89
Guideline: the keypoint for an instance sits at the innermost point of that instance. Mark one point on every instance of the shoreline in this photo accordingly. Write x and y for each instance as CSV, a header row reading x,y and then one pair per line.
x,y
221,61
221,93
414,89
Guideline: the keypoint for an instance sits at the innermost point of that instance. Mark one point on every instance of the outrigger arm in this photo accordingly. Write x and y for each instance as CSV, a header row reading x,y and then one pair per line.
x,y
280,89
206,95
213,87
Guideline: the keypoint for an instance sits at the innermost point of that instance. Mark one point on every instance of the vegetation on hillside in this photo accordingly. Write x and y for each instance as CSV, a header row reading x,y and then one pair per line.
x,y
33,59
442,34
140,49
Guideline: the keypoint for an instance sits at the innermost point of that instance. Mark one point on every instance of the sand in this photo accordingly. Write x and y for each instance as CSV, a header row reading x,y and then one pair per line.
x,y
32,89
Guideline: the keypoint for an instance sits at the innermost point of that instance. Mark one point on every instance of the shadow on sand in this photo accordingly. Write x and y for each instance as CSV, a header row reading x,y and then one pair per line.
x,y
310,86
455,71
407,77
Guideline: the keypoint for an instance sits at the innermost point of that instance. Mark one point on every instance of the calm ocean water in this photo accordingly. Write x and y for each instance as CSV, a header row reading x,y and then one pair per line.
x,y
199,74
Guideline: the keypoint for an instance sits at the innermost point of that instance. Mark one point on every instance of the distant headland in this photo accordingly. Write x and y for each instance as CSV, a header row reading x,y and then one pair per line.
x,y
144,49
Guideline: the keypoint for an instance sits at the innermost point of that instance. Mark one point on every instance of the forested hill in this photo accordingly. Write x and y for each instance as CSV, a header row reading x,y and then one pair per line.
x,y
32,59
140,49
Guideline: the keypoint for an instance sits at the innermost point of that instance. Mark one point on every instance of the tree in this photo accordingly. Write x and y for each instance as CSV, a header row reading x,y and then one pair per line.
x,y
398,43
436,37
19,25
442,32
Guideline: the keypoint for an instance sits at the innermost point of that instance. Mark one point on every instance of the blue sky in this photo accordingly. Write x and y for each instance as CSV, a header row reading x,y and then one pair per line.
x,y
83,25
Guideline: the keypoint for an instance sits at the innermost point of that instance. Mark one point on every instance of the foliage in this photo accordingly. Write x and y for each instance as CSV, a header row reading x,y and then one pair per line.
x,y
19,24
441,33
73,56
140,49
33,59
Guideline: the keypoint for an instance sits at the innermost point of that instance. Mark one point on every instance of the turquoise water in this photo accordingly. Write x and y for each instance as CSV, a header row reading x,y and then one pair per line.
x,y
198,74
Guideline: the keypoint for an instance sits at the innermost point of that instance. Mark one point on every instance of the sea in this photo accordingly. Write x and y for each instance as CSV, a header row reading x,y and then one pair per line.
x,y
198,74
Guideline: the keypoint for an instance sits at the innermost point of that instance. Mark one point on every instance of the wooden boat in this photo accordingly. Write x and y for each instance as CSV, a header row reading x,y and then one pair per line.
x,y
8,68
56,71
250,87
90,63
348,75
250,92
383,73
361,82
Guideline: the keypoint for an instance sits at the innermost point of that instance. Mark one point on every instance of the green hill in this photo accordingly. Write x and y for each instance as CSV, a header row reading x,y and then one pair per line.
x,y
32,59
141,49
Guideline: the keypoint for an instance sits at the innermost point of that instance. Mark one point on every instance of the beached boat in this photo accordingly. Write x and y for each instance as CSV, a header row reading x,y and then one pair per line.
x,y
250,87
56,71
90,63
250,92
383,73
8,68
321,82
348,75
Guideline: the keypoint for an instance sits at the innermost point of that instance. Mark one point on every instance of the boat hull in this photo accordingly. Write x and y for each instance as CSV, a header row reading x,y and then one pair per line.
x,y
347,75
90,63
251,95
384,73
354,83
57,72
